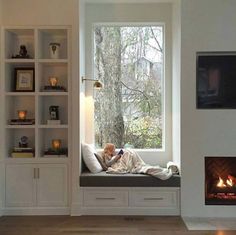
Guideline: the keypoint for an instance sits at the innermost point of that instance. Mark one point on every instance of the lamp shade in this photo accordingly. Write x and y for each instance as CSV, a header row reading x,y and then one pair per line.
x,y
97,84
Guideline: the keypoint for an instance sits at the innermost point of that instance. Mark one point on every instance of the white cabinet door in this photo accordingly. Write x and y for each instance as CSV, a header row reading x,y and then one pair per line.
x,y
52,185
20,185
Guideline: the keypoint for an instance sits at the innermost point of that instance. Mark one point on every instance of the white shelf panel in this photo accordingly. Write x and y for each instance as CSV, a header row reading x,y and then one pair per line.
x,y
53,61
20,126
20,93
37,160
53,93
22,61
53,126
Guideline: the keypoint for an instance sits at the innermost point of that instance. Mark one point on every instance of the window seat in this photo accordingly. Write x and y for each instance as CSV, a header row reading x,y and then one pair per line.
x,y
102,179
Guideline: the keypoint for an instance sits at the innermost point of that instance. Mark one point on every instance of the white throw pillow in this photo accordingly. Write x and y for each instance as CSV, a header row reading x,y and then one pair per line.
x,y
89,158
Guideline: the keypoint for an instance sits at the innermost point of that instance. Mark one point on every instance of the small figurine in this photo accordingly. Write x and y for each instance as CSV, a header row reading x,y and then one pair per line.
x,y
23,142
54,112
22,53
54,50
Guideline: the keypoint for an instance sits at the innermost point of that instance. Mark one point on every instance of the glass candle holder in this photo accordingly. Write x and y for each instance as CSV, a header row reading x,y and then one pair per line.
x,y
53,81
22,114
56,144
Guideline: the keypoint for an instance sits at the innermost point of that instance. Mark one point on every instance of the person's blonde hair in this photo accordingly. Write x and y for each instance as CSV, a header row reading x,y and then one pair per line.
x,y
109,149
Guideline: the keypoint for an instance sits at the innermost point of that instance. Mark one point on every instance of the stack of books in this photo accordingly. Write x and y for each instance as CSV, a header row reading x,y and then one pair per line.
x,y
22,122
19,152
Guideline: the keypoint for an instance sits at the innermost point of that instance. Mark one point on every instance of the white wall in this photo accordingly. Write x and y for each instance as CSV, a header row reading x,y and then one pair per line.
x,y
207,25
43,12
131,13
1,11
176,79
1,129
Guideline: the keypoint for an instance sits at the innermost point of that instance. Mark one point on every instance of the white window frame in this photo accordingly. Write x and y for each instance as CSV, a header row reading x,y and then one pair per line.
x,y
152,154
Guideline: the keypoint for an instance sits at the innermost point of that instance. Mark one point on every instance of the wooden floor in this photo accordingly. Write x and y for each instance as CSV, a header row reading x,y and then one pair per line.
x,y
65,225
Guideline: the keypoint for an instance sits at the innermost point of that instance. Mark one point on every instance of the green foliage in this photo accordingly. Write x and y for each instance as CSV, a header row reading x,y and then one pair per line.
x,y
143,133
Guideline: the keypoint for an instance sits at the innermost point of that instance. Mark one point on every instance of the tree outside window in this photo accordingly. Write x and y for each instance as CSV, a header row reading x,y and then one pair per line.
x,y
129,62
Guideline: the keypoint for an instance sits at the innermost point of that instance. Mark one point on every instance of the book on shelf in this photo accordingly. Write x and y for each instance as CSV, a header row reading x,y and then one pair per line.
x,y
22,122
22,154
53,122
23,149
54,88
54,155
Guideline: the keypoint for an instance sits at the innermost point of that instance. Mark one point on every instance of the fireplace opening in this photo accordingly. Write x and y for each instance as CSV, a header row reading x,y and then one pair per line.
x,y
220,180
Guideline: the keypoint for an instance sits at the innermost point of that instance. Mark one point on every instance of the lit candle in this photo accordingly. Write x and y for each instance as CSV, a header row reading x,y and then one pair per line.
x,y
56,144
53,81
22,114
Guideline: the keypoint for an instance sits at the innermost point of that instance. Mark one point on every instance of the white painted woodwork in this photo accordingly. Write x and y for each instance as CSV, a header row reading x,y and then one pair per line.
x,y
128,201
105,198
154,198
52,186
37,103
20,185
36,185
32,185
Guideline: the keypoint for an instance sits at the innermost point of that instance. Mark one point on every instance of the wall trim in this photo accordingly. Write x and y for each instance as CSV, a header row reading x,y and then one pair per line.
x,y
128,211
75,210
36,211
1,209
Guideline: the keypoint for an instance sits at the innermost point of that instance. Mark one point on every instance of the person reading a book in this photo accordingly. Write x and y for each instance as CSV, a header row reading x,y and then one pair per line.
x,y
109,155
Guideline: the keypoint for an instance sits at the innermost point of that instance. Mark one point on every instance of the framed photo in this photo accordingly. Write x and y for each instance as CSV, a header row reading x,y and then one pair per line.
x,y
24,79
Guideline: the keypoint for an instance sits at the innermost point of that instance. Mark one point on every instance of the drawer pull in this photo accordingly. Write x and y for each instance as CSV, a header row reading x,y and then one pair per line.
x,y
153,199
105,198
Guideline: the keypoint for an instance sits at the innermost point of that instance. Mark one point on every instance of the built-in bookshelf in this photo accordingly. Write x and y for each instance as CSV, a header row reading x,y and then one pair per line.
x,y
28,70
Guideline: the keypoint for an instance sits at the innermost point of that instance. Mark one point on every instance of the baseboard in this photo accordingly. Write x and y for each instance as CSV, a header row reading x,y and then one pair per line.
x,y
1,209
75,210
129,211
36,211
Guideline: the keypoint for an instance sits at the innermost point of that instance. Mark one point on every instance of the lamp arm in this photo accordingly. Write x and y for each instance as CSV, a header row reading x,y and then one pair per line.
x,y
89,79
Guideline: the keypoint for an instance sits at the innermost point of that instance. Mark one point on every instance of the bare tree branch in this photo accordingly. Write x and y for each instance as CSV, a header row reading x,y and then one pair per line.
x,y
132,89
153,34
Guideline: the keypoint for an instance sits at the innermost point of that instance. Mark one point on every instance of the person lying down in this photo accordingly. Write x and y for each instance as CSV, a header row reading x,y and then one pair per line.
x,y
128,161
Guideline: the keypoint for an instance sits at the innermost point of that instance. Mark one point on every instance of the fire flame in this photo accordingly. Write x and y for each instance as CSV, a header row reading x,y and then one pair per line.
x,y
220,183
229,182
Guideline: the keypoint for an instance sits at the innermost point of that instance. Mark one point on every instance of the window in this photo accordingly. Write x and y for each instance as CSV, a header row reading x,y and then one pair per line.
x,y
128,111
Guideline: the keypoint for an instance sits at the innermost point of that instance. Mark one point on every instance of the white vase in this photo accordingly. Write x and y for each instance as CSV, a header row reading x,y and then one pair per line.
x,y
54,50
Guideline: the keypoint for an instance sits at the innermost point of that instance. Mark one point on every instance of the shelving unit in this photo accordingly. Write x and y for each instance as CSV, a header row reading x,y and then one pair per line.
x,y
36,102
37,174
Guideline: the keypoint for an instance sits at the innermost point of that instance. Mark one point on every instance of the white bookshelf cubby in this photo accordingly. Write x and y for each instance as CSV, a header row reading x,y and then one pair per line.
x,y
37,101
47,36
14,38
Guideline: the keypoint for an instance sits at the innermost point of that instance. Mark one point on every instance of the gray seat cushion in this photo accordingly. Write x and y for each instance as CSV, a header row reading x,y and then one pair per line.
x,y
102,179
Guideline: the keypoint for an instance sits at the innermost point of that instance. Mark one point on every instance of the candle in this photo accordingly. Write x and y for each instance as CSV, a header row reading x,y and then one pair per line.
x,y
56,144
22,114
53,81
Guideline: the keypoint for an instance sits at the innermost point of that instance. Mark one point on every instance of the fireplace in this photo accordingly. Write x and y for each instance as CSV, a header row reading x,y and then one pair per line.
x,y
220,180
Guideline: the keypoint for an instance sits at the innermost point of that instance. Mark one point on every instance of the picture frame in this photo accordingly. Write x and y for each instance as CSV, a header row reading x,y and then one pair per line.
x,y
24,79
